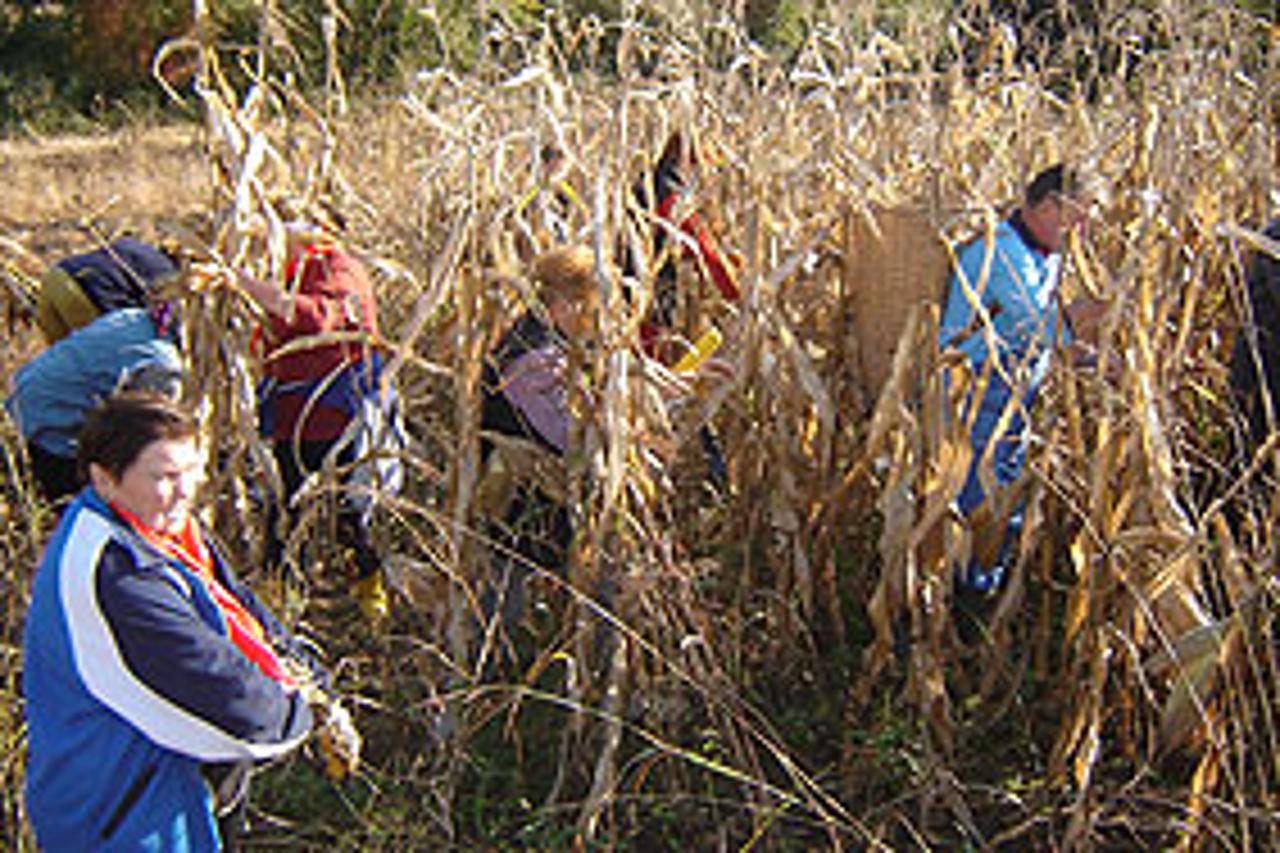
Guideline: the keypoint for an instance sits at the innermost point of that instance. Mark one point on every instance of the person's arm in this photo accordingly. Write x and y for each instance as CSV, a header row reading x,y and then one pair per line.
x,y
721,276
1084,319
271,298
144,651
336,296
708,253
333,294
962,326
302,659
335,731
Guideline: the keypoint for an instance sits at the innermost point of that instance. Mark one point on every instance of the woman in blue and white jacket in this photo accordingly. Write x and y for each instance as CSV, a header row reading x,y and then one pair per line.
x,y
146,662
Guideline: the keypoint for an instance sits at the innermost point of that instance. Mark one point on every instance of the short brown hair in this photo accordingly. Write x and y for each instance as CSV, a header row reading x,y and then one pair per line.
x,y
565,272
116,433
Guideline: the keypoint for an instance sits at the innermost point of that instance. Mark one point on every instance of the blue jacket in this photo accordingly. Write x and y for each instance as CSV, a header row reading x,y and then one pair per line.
x,y
1019,294
54,391
131,682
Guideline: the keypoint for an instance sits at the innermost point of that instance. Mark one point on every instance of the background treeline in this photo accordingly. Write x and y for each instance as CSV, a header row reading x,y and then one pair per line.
x,y
66,65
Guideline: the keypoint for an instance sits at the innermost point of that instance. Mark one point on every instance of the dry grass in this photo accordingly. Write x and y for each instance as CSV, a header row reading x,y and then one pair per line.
x,y
688,662
129,180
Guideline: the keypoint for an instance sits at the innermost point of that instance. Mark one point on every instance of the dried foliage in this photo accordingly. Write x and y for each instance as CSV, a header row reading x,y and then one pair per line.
x,y
784,661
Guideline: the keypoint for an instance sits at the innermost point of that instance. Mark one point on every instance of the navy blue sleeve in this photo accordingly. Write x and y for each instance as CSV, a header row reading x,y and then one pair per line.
x,y
203,681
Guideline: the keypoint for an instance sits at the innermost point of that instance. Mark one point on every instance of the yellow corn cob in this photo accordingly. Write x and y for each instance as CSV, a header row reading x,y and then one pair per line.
x,y
705,347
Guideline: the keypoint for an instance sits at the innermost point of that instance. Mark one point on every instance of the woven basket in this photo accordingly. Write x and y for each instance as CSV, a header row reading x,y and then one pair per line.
x,y
890,266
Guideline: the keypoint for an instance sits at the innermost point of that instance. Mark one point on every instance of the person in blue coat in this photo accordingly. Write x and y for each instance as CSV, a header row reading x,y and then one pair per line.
x,y
1014,278
51,394
1255,360
145,660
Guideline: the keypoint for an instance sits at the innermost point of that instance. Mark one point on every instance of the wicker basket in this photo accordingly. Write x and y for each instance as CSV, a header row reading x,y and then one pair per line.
x,y
894,258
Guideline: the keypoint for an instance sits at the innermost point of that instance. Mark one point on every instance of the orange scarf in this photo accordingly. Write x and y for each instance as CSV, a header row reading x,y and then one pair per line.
x,y
189,549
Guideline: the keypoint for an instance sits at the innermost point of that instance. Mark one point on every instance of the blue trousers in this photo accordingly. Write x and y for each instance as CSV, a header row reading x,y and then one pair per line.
x,y
1010,456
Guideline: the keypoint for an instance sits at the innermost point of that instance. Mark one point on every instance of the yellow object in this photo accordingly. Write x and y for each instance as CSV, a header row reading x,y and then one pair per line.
x,y
370,593
62,306
705,347
562,186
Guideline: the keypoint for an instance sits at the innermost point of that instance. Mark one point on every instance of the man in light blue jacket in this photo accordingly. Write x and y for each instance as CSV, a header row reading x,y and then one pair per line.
x,y
1003,301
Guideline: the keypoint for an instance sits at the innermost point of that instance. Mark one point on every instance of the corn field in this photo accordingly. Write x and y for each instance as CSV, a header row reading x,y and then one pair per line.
x,y
782,662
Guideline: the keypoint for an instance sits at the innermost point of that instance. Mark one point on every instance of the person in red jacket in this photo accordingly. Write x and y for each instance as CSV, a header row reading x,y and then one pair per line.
x,y
311,393
669,187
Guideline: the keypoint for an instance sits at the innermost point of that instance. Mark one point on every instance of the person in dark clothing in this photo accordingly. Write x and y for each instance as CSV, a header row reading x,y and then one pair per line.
x,y
669,188
80,288
1255,360
111,326
662,195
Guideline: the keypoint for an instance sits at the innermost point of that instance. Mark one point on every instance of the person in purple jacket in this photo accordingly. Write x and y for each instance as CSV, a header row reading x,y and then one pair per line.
x,y
526,390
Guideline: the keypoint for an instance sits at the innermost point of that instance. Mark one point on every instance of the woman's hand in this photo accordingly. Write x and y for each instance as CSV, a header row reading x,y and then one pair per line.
x,y
338,739
715,371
